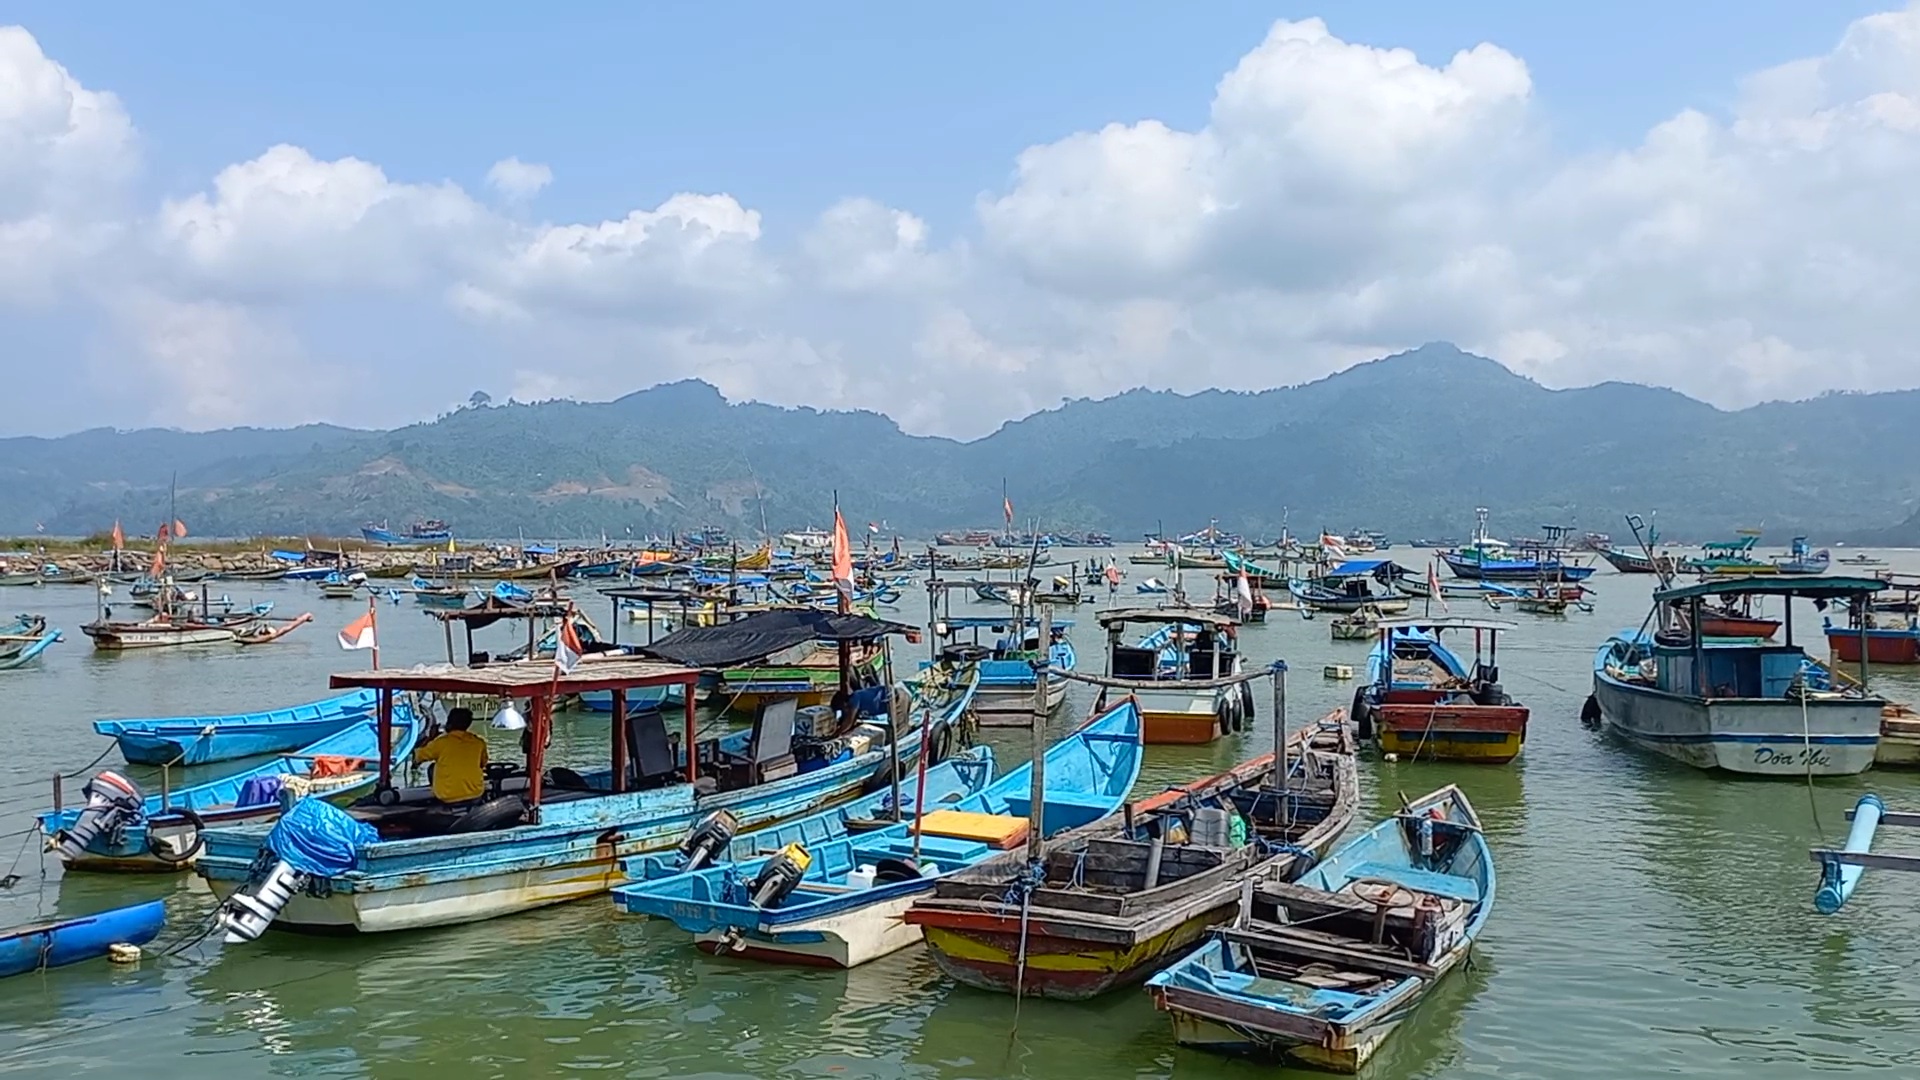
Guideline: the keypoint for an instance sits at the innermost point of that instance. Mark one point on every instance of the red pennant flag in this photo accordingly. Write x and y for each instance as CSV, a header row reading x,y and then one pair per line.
x,y
567,647
119,538
842,553
359,632
179,528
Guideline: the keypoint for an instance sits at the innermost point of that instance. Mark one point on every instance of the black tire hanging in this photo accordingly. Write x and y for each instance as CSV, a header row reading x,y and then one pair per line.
x,y
942,744
188,853
1247,710
1590,712
1362,715
490,815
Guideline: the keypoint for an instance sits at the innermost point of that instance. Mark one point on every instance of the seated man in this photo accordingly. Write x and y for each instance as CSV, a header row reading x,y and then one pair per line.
x,y
460,760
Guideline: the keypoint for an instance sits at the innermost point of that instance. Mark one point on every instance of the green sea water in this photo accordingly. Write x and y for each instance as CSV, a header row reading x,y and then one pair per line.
x,y
1651,919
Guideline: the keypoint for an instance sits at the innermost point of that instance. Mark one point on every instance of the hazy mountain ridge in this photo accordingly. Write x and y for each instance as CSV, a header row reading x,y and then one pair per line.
x,y
1409,444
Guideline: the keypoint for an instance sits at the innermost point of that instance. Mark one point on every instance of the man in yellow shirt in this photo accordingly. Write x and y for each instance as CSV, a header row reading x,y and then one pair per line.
x,y
460,760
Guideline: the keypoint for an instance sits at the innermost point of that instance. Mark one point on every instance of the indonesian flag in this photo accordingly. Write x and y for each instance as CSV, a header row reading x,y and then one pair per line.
x,y
1113,574
179,529
1332,543
1433,585
842,554
119,537
567,647
359,632
1007,502
873,527
1243,594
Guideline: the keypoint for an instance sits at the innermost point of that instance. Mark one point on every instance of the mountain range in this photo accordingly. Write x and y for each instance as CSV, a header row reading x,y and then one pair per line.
x,y
1408,444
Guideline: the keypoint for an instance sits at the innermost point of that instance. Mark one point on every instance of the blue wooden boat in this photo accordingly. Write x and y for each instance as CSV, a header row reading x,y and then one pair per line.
x,y
25,638
1350,586
203,740
155,838
1323,969
60,942
545,837
846,904
1007,678
1485,559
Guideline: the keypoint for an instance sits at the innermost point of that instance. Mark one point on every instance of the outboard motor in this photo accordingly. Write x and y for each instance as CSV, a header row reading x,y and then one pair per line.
x,y
708,838
113,802
245,918
780,876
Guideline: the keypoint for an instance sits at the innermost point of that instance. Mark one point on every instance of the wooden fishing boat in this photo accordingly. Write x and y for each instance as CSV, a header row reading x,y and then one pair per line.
x,y
1633,562
24,639
1880,631
161,833
1738,704
846,907
808,674
1185,673
1359,625
203,740
156,633
1423,701
543,837
1324,969
20,580
59,942
1007,675
1121,897
1351,586
1485,559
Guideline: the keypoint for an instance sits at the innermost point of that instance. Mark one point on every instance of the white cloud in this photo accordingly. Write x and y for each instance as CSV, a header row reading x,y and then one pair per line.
x,y
1341,200
518,180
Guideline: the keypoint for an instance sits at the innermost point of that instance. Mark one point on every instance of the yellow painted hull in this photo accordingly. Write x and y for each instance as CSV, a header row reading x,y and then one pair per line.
x,y
1059,967
1440,746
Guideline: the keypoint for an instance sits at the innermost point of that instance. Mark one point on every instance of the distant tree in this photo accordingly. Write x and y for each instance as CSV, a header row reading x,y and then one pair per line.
x,y
480,400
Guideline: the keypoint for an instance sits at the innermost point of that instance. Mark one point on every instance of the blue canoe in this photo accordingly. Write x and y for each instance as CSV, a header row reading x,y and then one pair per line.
x,y
203,740
847,909
1323,969
169,840
69,941
30,636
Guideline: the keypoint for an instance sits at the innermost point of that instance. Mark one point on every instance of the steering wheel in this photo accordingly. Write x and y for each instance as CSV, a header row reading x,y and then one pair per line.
x,y
1382,893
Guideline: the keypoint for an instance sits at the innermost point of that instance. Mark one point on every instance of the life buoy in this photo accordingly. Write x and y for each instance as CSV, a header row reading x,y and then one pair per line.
x,y
1362,715
186,854
492,814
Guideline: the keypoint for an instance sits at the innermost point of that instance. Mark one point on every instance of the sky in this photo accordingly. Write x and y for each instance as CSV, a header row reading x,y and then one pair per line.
x,y
228,214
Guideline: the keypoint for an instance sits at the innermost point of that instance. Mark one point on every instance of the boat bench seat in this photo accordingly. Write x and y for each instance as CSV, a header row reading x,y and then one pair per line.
x,y
938,848
1449,886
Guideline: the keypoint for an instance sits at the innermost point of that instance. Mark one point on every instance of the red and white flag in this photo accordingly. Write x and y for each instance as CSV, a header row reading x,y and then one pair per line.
x,y
1433,585
1243,595
567,647
119,537
359,632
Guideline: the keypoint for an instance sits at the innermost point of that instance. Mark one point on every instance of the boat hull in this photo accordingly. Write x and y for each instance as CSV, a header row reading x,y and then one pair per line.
x,y
1178,717
1883,646
134,637
983,951
1759,737
1490,734
70,941
1233,1028
844,940
1012,706
148,749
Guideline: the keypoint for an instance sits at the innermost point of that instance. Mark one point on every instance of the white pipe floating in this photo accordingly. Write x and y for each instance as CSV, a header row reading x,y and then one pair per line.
x,y
1837,879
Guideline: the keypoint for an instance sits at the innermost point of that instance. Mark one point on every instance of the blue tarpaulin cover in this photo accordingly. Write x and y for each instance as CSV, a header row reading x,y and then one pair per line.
x,y
317,837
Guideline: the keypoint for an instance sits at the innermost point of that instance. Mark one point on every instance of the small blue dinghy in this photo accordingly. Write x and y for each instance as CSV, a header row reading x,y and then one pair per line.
x,y
838,901
69,941
1323,969
203,740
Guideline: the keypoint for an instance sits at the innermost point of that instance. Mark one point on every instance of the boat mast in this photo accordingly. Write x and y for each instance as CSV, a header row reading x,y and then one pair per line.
x,y
1037,797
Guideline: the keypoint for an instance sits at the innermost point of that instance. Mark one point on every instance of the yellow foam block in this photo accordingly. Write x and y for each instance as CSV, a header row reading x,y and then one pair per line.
x,y
993,830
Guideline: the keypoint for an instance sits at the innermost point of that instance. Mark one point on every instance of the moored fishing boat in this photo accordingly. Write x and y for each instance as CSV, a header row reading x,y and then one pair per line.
x,y
121,829
203,740
24,639
845,906
1324,969
1351,586
1736,704
1357,625
1421,700
1186,673
1112,902
1880,632
540,836
1007,667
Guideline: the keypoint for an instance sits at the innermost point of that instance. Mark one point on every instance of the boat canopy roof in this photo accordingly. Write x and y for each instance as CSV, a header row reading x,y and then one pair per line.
x,y
1165,615
640,594
752,637
524,678
1446,622
969,622
1359,567
1818,588
491,609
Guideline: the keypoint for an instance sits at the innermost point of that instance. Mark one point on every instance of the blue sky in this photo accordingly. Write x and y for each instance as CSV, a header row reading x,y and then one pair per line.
x,y
920,108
